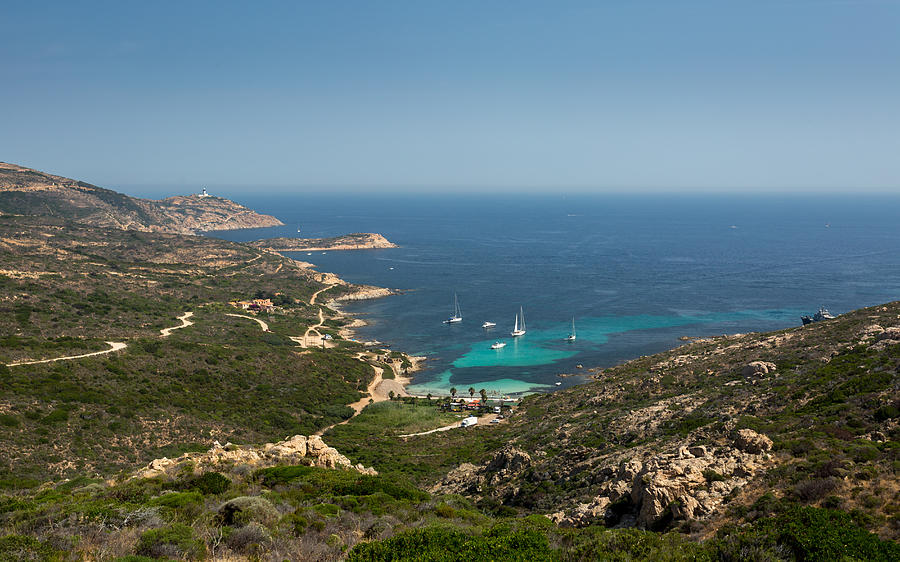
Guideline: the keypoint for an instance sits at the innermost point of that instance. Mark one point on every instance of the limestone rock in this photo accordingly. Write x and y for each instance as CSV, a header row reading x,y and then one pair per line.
x,y
892,333
752,442
755,368
673,482
298,449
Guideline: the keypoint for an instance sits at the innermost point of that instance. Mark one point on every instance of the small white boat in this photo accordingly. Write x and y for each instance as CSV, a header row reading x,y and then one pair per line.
x,y
572,335
488,325
457,315
308,253
498,345
558,383
519,330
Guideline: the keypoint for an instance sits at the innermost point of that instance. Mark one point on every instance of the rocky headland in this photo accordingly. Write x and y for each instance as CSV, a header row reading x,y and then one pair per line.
x,y
355,241
24,191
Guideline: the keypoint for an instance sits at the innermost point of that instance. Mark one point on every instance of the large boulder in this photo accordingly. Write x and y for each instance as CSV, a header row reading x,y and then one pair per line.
x,y
756,368
749,441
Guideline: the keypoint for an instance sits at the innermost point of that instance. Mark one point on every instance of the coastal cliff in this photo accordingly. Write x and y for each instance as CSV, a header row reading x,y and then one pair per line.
x,y
355,241
24,191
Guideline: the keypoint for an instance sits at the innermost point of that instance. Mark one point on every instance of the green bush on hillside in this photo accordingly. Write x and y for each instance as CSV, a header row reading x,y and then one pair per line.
x,y
441,544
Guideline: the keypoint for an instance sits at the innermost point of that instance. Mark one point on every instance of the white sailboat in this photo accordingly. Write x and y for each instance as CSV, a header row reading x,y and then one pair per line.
x,y
519,330
457,315
572,335
498,345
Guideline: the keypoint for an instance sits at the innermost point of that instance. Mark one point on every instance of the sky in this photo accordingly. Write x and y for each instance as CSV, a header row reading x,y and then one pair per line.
x,y
428,96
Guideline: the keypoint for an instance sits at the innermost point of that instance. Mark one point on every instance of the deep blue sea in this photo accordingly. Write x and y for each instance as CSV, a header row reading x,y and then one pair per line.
x,y
636,272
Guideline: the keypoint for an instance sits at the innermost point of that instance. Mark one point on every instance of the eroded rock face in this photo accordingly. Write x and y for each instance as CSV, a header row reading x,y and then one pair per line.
x,y
689,483
298,449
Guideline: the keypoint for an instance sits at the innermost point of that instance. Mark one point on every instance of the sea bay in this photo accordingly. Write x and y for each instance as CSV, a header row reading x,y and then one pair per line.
x,y
636,272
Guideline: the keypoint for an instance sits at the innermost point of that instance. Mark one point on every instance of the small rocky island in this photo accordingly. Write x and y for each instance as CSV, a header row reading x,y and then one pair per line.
x,y
356,241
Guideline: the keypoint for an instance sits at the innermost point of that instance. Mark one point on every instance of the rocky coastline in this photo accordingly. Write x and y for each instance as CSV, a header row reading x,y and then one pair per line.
x,y
355,241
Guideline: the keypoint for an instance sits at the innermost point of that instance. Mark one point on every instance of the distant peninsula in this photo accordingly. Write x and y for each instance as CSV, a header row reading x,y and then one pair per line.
x,y
356,241
24,191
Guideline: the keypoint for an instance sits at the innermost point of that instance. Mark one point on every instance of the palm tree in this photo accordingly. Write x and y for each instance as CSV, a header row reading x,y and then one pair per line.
x,y
483,394
453,392
429,397
472,391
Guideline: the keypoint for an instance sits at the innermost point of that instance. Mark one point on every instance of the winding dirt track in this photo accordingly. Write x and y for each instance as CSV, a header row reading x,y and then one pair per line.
x,y
303,340
114,346
166,332
263,326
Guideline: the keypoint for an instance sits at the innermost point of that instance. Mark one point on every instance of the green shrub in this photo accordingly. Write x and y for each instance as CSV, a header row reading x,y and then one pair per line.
x,y
886,413
174,541
211,483
14,548
244,509
58,415
440,544
177,500
9,420
327,509
820,534
712,476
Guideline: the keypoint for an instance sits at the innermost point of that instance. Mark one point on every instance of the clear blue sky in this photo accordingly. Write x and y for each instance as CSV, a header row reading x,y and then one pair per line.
x,y
423,95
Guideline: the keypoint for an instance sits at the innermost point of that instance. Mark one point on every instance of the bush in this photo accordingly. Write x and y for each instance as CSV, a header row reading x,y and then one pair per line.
x,y
9,420
211,483
444,545
712,476
174,541
249,538
886,413
177,500
245,509
823,534
816,489
14,548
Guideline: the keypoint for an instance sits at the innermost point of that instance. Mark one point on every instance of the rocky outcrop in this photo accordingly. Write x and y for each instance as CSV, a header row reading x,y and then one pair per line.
x,y
298,449
355,241
468,478
365,292
756,368
752,442
30,192
689,483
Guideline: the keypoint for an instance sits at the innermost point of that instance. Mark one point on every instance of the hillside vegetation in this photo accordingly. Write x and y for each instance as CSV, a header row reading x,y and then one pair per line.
x,y
68,288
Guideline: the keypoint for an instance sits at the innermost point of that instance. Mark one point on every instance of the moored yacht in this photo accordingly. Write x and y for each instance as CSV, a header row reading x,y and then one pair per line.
x,y
498,345
519,329
457,315
487,325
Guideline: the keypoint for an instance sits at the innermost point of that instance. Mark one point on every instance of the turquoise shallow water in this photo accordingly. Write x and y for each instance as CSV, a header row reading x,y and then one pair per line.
x,y
636,272
549,346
